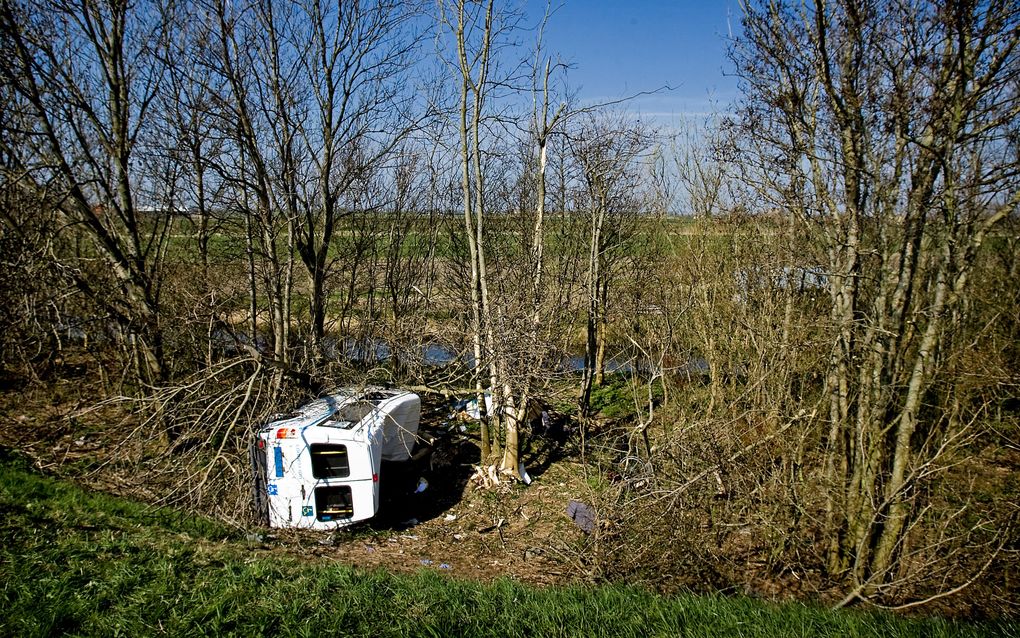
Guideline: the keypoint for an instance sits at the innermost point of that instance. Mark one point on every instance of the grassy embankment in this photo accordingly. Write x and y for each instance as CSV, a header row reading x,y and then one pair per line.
x,y
80,563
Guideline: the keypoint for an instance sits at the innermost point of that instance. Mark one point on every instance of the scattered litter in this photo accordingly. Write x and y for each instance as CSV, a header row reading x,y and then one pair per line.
x,y
255,538
425,562
458,537
410,537
490,476
422,486
582,515
499,524
444,566
468,408
485,477
450,517
523,471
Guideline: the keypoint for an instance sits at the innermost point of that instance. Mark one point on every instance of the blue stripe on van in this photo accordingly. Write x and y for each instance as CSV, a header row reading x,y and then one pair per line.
x,y
278,457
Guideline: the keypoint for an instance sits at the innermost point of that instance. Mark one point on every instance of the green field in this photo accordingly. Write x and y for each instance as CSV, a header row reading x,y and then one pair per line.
x,y
79,563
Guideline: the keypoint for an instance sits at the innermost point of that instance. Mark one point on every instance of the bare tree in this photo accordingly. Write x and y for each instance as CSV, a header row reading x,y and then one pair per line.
x,y
362,107
606,148
889,128
83,77
188,129
262,108
472,29
523,372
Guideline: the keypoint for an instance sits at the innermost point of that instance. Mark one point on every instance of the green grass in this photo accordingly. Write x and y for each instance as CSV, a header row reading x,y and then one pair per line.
x,y
564,235
615,398
79,563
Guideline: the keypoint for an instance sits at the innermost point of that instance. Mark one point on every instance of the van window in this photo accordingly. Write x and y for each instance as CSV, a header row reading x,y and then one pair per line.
x,y
354,411
333,502
329,461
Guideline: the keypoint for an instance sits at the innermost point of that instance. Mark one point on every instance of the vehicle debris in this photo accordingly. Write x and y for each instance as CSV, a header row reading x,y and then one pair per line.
x,y
582,515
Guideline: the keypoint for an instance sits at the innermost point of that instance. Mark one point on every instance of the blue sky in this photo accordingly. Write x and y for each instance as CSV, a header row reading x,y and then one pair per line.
x,y
621,48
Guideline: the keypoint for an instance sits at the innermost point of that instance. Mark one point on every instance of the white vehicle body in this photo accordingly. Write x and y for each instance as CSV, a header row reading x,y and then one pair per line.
x,y
318,467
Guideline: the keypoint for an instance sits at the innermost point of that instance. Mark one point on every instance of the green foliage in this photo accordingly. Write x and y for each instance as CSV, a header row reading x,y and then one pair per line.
x,y
614,399
85,564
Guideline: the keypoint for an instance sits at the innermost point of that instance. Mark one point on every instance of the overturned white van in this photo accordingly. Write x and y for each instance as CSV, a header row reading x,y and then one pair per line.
x,y
318,467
